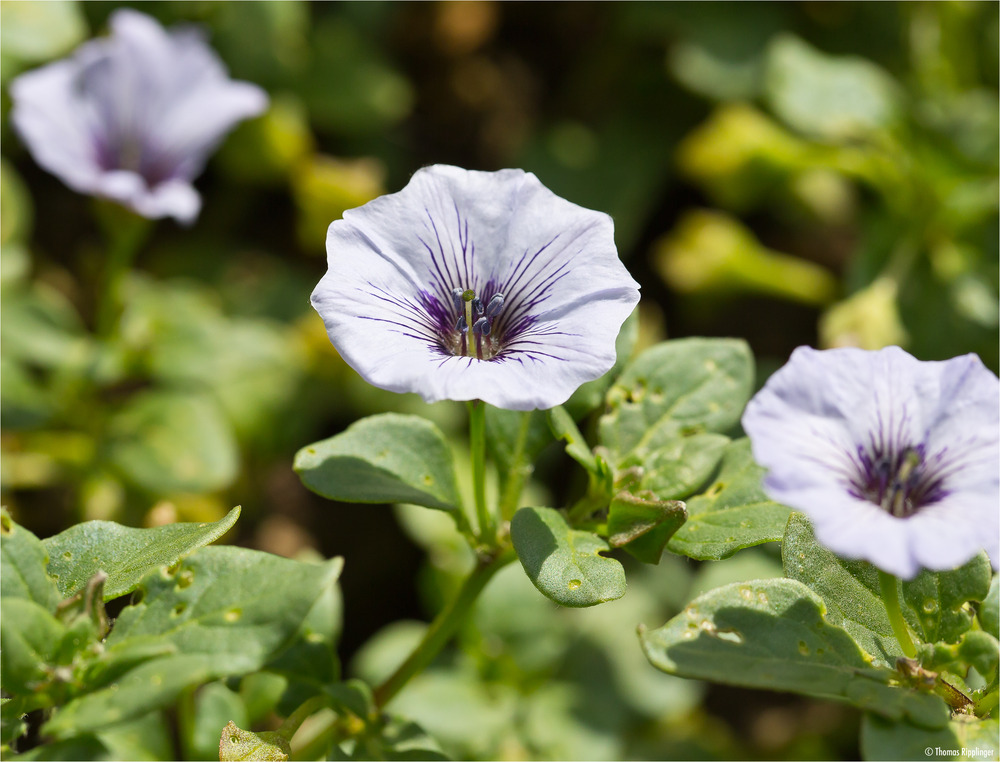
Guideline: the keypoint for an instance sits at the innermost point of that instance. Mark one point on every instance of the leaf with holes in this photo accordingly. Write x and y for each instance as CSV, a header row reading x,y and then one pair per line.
x,y
772,634
934,601
126,554
388,458
680,386
643,525
564,563
733,513
224,610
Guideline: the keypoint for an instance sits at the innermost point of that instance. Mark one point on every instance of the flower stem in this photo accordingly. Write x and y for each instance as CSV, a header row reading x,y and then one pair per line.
x,y
519,470
444,625
125,232
477,440
890,597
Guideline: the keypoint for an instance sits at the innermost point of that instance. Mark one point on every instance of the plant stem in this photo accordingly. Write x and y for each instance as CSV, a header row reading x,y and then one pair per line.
x,y
444,626
513,484
125,232
296,718
477,440
890,597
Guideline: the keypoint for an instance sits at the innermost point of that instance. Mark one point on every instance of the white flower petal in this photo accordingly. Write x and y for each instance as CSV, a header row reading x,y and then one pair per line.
x,y
826,423
393,264
142,101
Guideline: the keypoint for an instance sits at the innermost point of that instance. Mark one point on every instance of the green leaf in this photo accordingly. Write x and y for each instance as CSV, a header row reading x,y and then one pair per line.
x,y
37,32
989,611
680,466
885,739
850,590
167,442
510,432
150,686
230,602
933,601
312,656
227,611
388,458
677,386
126,554
12,719
643,526
772,634
237,744
31,638
564,563
733,513
213,706
564,427
937,599
828,97
22,566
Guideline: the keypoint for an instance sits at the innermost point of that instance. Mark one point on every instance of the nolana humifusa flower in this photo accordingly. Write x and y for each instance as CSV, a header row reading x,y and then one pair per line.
x,y
132,117
473,285
893,460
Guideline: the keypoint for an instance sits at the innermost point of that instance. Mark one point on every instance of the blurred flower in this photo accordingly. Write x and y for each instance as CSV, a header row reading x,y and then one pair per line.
x,y
133,117
475,285
894,460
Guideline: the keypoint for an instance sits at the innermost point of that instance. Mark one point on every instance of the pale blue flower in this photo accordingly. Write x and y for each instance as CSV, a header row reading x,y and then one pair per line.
x,y
893,460
475,285
133,117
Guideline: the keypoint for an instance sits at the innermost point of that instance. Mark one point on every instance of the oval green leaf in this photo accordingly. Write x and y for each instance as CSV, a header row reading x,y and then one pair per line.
x,y
388,458
565,563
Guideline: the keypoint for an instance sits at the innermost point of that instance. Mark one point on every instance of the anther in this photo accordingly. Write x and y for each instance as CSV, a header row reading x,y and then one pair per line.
x,y
461,325
495,305
456,296
482,326
477,306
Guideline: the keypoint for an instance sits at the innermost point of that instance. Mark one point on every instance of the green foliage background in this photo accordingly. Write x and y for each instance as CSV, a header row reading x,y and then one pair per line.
x,y
785,173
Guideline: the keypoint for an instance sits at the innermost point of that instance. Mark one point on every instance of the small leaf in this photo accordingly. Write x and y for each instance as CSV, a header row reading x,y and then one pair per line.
x,y
828,97
681,384
937,599
772,634
680,466
388,458
31,638
125,553
23,559
564,563
237,744
166,442
733,513
564,427
643,525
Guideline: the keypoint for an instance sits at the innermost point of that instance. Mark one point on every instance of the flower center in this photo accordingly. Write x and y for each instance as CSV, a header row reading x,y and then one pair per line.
x,y
484,344
899,482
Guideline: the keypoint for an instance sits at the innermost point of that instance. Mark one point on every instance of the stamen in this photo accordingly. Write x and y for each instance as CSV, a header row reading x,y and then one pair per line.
x,y
456,296
495,305
482,326
477,306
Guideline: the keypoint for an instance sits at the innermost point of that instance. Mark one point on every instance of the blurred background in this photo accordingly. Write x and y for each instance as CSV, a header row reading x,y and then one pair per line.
x,y
789,173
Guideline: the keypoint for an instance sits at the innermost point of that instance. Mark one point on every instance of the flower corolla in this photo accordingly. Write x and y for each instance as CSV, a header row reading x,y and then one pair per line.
x,y
893,460
475,285
133,116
